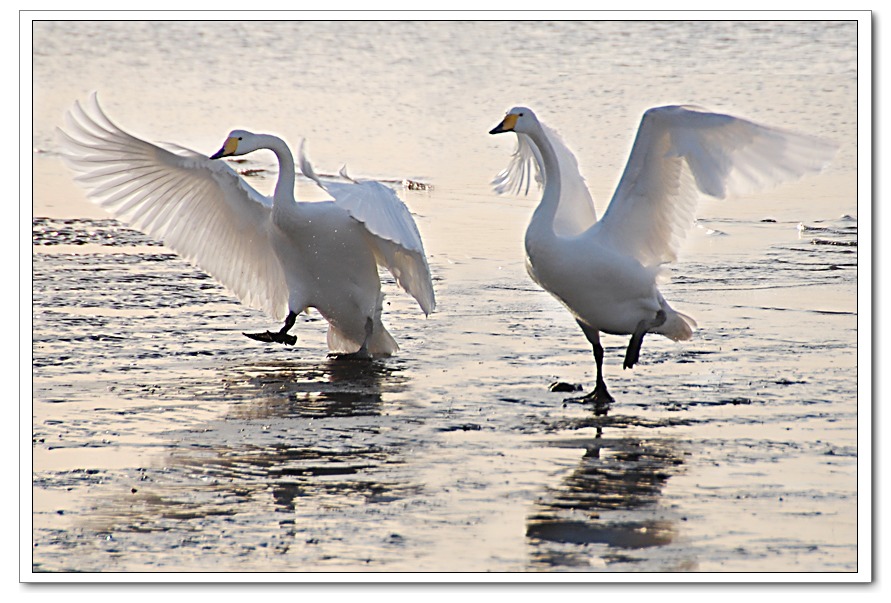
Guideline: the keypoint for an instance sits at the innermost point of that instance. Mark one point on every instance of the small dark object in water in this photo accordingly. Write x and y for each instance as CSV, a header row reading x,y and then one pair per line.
x,y
414,185
251,172
769,220
562,386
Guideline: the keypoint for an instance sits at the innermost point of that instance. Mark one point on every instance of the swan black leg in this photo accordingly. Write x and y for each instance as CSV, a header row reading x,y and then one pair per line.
x,y
632,354
600,396
279,337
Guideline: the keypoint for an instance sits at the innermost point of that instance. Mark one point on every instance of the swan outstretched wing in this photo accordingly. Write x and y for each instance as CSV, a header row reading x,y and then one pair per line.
x,y
575,211
388,220
682,152
198,207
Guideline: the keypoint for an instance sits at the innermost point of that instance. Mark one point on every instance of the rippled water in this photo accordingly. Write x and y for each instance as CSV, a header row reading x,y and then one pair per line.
x,y
276,459
164,440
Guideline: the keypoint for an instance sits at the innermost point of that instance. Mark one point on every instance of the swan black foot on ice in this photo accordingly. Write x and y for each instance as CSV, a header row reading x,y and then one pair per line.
x,y
280,336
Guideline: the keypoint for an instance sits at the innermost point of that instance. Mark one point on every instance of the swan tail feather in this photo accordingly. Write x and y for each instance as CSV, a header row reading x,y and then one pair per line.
x,y
677,326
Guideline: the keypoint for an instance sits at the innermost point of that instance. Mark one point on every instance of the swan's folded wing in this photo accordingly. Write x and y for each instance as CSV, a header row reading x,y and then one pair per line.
x,y
198,207
388,220
681,153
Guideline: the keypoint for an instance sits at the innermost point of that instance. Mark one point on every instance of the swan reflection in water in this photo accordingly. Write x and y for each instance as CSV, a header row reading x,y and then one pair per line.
x,y
606,513
339,387
311,436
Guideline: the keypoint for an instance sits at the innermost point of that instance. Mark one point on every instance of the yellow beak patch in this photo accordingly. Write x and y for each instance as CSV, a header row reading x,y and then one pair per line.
x,y
230,146
510,122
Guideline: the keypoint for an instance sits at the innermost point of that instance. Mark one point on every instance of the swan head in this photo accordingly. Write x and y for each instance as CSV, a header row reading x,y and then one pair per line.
x,y
239,142
518,119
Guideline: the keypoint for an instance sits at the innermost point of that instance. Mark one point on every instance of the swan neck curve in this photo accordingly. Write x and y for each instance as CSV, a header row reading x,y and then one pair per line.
x,y
284,186
546,212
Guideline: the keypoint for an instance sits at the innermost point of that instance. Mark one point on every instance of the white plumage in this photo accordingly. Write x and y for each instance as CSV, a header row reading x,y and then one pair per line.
x,y
276,254
605,271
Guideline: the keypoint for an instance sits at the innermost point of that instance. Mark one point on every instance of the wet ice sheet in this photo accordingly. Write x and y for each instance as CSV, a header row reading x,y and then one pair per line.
x,y
164,440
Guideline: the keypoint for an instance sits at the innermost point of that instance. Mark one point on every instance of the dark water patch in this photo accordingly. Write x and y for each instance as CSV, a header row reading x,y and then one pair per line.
x,y
618,421
737,401
840,230
102,337
838,233
517,288
831,242
624,535
70,478
786,381
82,231
461,427
796,310
121,282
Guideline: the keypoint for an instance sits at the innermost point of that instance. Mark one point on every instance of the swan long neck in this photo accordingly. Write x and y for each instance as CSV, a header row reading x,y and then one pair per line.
x,y
546,212
284,187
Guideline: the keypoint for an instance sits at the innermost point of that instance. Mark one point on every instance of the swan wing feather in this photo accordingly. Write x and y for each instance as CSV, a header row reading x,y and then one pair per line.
x,y
389,222
200,208
682,153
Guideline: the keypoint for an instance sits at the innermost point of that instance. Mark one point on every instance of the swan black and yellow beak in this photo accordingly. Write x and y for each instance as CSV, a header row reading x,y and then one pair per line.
x,y
506,125
229,148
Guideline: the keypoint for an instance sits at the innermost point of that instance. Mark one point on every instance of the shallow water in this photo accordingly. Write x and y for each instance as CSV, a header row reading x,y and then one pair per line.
x,y
164,440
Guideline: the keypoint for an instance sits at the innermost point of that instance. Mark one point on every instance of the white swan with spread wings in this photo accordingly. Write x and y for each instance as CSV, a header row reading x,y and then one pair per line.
x,y
276,254
605,272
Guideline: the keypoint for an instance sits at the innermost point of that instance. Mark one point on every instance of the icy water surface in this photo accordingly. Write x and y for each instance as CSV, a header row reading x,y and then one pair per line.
x,y
163,440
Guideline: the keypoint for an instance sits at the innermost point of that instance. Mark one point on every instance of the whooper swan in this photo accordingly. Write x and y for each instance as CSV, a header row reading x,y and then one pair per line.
x,y
276,254
605,271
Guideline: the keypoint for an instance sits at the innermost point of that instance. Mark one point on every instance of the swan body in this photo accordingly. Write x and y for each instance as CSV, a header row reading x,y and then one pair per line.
x,y
276,254
605,272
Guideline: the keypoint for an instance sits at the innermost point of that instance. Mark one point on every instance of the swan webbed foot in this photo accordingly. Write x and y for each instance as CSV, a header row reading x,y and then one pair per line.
x,y
270,337
600,399
600,395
